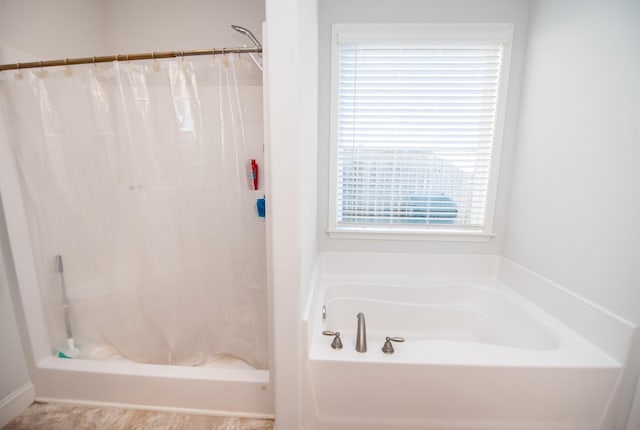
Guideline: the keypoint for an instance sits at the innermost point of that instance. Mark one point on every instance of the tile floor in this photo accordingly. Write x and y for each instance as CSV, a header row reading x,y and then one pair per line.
x,y
49,416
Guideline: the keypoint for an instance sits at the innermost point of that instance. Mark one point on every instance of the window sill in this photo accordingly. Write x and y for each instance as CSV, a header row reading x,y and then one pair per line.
x,y
408,234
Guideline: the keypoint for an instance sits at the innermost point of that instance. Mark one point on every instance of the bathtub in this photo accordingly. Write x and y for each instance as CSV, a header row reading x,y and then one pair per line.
x,y
476,356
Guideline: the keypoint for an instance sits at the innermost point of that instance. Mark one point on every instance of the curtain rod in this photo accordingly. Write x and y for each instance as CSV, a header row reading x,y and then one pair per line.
x,y
128,57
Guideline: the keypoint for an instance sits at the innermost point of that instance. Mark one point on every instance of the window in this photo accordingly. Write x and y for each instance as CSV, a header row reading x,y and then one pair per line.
x,y
416,125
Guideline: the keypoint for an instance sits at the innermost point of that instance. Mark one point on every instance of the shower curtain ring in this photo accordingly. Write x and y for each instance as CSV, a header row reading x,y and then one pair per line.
x,y
42,73
156,65
67,70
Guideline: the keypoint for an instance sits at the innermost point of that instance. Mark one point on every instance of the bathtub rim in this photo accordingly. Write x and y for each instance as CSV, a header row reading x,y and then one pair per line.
x,y
572,351
488,300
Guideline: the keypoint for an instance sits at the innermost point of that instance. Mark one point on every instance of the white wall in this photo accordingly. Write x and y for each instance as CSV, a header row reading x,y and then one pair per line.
x,y
574,215
308,142
291,94
13,365
152,25
32,30
49,30
363,11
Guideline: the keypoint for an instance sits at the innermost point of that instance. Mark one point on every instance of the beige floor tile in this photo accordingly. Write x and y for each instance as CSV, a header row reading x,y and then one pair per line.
x,y
45,416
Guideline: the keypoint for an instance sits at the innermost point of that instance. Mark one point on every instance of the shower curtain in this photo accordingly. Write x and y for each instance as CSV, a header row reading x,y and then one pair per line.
x,y
136,174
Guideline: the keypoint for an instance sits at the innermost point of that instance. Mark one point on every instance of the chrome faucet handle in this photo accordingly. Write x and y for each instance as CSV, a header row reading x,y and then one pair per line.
x,y
337,342
388,346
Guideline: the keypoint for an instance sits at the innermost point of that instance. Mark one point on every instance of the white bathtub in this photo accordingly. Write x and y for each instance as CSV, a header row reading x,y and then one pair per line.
x,y
476,356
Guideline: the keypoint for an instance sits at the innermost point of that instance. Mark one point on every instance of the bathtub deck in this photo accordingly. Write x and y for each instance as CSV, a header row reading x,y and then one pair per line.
x,y
48,416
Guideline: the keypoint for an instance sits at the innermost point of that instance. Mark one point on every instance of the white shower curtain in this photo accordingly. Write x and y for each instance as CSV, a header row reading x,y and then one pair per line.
x,y
136,173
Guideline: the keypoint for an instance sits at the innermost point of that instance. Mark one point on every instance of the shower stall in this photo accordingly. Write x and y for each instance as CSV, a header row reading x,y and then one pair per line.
x,y
145,178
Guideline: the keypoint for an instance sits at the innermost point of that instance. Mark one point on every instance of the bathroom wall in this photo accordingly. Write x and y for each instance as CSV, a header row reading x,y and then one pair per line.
x,y
151,25
41,29
45,30
424,11
308,141
291,93
574,214
13,365
31,30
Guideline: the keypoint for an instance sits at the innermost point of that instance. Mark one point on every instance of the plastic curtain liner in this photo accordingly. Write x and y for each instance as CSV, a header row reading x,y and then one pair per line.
x,y
136,173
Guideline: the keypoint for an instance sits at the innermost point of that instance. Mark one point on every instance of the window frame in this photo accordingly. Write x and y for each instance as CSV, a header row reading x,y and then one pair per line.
x,y
454,32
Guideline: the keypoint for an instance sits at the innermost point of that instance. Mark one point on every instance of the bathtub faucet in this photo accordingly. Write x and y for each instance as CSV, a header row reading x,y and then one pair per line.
x,y
361,339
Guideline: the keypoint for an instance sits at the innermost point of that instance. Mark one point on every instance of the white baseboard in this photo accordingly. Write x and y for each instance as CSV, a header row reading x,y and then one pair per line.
x,y
634,416
13,404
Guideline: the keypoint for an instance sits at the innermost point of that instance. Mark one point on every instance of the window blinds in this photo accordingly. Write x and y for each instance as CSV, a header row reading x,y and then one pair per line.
x,y
416,126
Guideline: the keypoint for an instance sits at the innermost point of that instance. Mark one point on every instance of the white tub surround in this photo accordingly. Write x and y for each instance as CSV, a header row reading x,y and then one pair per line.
x,y
477,354
596,324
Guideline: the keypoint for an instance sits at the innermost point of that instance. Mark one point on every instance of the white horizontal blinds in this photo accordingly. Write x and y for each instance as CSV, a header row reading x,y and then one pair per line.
x,y
415,132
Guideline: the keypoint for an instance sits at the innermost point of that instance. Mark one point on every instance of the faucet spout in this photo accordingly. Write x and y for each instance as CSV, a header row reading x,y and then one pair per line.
x,y
361,339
